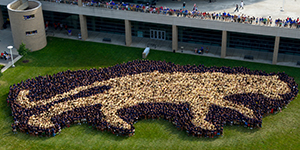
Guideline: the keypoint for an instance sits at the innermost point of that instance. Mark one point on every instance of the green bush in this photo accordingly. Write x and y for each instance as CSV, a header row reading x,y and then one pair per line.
x,y
23,50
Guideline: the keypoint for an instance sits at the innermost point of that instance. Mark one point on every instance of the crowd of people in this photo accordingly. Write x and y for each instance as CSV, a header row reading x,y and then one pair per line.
x,y
192,13
180,114
5,55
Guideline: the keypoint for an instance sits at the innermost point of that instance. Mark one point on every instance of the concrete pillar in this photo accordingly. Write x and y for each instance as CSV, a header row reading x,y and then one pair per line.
x,y
174,37
224,44
1,19
276,48
83,27
128,36
79,3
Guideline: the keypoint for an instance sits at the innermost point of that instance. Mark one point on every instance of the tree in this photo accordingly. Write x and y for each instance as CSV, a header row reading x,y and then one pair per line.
x,y
23,50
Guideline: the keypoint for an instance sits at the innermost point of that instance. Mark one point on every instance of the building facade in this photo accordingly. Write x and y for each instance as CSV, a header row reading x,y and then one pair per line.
x,y
226,35
27,24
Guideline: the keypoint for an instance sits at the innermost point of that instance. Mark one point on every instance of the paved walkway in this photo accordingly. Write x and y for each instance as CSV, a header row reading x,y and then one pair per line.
x,y
6,40
9,63
257,8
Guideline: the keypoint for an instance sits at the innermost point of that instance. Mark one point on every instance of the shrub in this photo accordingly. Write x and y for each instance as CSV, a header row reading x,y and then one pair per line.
x,y
23,50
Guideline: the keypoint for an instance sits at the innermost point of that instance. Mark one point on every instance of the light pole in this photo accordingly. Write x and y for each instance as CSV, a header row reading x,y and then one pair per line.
x,y
11,55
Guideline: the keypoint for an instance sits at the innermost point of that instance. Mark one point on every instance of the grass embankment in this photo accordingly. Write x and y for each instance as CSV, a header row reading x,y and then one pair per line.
x,y
280,131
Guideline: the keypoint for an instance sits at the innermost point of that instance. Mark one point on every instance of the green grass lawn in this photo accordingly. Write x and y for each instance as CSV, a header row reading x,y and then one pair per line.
x,y
279,131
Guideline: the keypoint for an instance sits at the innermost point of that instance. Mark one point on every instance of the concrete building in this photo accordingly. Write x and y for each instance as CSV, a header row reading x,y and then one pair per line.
x,y
27,24
227,37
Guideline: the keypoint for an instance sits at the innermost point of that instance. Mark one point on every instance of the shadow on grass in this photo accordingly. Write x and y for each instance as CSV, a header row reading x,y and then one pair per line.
x,y
161,129
5,109
151,129
108,135
83,129
3,102
146,129
239,128
164,129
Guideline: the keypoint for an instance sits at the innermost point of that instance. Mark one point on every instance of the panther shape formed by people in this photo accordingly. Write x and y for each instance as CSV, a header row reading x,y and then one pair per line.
x,y
156,82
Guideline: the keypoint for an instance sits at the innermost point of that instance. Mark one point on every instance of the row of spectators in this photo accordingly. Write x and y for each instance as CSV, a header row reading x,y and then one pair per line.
x,y
194,13
46,87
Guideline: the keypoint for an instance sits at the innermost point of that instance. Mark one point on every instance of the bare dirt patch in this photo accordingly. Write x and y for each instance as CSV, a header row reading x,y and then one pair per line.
x,y
25,61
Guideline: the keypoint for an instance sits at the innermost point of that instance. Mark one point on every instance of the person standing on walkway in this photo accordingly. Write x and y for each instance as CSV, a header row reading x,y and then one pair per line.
x,y
183,5
195,7
242,5
236,8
